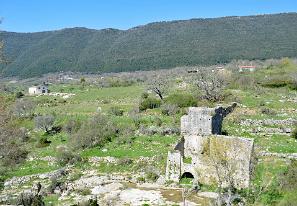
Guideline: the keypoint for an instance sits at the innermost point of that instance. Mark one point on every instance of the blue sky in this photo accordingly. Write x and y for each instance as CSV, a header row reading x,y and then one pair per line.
x,y
40,15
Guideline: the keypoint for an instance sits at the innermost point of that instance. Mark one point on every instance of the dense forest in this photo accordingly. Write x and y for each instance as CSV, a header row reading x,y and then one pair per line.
x,y
152,46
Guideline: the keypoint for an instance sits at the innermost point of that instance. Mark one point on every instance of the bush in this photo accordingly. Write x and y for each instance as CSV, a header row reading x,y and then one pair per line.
x,y
288,179
140,179
43,142
85,191
149,103
72,126
95,132
267,111
181,100
65,156
294,133
243,82
152,176
169,109
125,161
19,95
289,199
30,199
158,121
144,95
280,81
116,111
55,183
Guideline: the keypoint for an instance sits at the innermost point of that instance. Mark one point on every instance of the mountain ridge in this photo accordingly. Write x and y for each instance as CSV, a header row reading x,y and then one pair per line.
x,y
156,45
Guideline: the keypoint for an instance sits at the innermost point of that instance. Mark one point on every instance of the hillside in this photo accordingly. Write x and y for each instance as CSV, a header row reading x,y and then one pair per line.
x,y
153,46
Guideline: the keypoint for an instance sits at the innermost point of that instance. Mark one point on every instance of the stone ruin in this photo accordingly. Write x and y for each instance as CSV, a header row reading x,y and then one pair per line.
x,y
207,156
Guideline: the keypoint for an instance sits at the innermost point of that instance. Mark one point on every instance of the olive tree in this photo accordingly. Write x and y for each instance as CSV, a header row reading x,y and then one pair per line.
x,y
23,108
44,122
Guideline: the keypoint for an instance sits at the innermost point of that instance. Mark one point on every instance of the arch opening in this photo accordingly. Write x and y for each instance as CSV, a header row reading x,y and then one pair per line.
x,y
187,175
187,178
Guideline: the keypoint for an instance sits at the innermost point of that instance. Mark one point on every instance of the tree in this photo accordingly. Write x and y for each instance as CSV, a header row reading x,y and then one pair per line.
x,y
211,84
44,122
159,85
223,158
187,190
23,108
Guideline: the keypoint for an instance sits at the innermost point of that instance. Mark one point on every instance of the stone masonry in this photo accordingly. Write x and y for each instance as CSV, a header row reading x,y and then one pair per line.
x,y
207,155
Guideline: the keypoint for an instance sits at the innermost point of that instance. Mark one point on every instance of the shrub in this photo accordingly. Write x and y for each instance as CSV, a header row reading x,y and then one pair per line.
x,y
158,121
43,142
181,100
288,178
243,82
144,95
55,130
280,81
55,183
293,85
85,191
125,161
135,116
169,109
116,111
65,156
294,133
289,199
30,199
149,103
19,95
267,111
95,132
152,176
140,179
72,126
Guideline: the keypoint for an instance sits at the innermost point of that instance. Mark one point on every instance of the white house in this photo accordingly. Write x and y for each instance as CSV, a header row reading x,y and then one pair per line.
x,y
40,89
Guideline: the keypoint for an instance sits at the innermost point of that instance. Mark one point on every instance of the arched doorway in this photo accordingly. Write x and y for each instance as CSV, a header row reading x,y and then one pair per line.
x,y
187,178
187,175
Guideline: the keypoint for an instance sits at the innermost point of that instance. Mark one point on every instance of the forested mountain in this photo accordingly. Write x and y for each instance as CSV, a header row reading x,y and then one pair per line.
x,y
153,46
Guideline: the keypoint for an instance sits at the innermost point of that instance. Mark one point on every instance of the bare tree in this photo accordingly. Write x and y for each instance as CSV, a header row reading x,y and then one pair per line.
x,y
211,84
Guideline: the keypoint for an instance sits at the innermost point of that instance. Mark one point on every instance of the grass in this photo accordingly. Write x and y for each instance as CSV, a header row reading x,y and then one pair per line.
x,y
142,146
51,199
33,167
